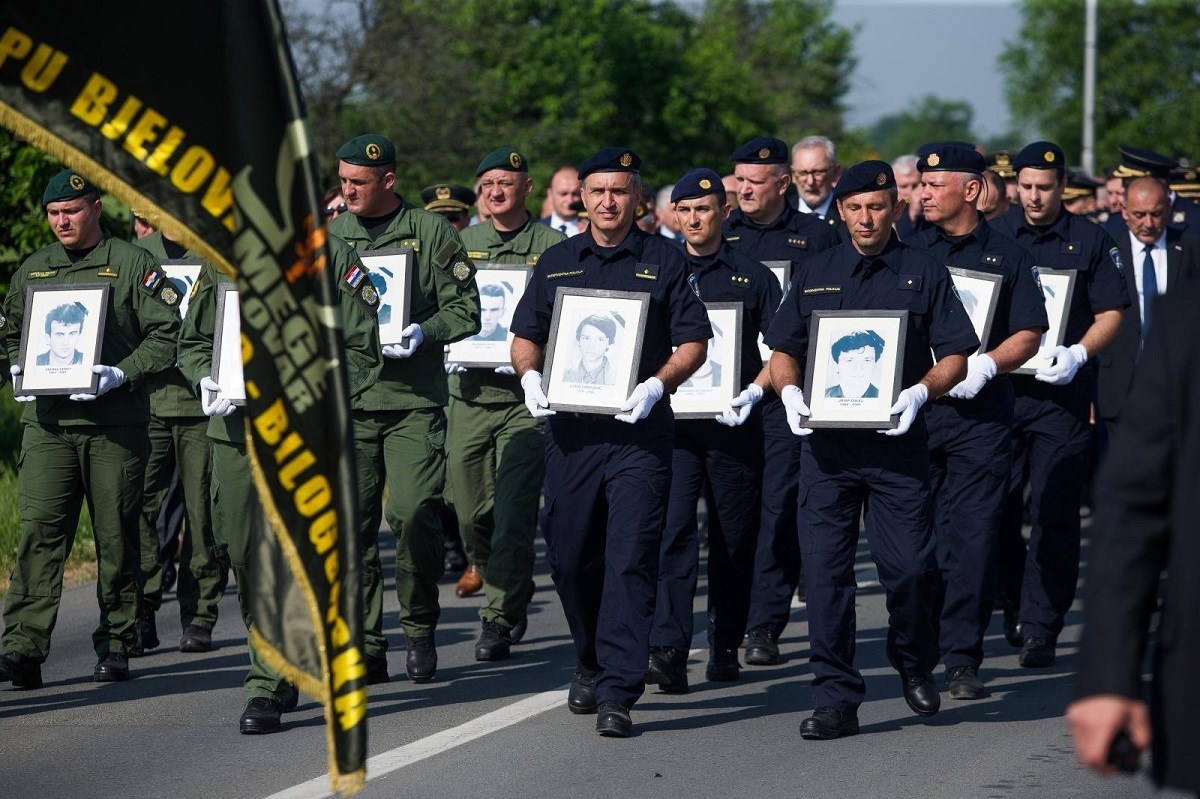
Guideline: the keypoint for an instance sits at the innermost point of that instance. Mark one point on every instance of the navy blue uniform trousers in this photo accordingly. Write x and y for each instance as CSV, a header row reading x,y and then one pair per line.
x,y
726,464
777,559
848,473
970,454
606,492
1051,441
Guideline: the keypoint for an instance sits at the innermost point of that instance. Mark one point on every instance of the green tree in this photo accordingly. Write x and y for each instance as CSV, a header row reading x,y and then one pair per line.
x,y
24,172
1147,92
932,119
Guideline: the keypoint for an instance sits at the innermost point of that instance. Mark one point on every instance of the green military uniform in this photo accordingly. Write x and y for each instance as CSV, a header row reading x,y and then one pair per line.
x,y
237,515
75,450
495,462
179,442
400,425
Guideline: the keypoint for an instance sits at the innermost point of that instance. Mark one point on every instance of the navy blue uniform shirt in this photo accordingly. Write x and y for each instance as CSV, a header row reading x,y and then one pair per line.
x,y
1072,242
1020,305
795,236
900,278
729,276
642,262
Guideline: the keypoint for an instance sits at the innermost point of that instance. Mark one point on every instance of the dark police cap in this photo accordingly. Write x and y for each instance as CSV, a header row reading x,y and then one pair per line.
x,y
1040,155
67,185
698,183
951,158
611,159
506,158
761,150
1001,162
447,197
1079,186
865,176
929,147
1139,163
1185,180
369,149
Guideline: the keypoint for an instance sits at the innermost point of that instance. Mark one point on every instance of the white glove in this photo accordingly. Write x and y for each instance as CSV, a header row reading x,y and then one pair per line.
x,y
110,378
796,410
907,404
980,369
638,406
220,406
535,398
739,409
1067,361
505,370
15,370
415,336
452,368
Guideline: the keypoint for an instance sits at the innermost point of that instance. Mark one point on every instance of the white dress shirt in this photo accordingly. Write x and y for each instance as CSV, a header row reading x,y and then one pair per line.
x,y
821,210
570,227
1159,256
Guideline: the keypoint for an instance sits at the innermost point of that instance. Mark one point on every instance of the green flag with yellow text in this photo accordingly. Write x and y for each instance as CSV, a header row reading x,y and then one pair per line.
x,y
189,111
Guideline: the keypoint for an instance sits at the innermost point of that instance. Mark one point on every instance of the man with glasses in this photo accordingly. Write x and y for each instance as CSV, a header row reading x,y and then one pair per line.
x,y
815,171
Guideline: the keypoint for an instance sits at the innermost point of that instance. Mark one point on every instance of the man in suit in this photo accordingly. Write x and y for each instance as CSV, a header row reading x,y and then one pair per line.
x,y
1154,260
1146,523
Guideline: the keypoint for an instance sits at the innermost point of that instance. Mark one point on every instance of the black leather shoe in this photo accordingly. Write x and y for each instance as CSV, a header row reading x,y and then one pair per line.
x,y
723,664
1037,653
612,720
761,648
1012,627
377,670
455,557
21,670
147,634
113,667
963,683
922,694
421,663
261,717
495,642
196,639
581,699
827,723
292,700
519,629
667,669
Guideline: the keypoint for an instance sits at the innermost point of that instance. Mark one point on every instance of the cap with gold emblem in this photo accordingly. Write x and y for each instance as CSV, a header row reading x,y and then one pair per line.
x,y
447,197
761,150
506,158
1079,186
950,157
698,183
1001,163
67,185
1185,181
1137,162
369,149
611,159
1040,155
865,176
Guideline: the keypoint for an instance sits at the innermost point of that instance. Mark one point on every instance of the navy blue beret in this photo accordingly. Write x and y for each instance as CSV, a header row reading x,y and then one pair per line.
x,y
928,147
761,150
611,159
1040,155
951,158
865,176
698,183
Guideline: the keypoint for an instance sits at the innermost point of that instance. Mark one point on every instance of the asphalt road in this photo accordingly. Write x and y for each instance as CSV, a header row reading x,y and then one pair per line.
x,y
497,730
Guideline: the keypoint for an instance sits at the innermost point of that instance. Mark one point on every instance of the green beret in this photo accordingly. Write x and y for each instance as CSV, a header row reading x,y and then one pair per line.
x,y
506,158
67,185
369,149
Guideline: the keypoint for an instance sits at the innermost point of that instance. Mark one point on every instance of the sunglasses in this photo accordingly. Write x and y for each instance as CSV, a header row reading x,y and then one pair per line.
x,y
331,210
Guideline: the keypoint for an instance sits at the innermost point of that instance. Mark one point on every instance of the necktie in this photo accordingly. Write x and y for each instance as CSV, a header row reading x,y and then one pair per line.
x,y
563,228
1149,289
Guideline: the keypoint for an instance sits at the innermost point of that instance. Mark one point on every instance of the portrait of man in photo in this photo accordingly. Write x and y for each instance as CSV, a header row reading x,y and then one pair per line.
x,y
856,355
492,304
64,324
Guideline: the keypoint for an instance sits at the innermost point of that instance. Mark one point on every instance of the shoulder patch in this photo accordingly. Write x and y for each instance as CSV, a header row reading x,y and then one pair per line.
x,y
480,254
369,295
1178,218
1037,277
151,280
1115,254
908,282
3,321
354,276
462,271
46,273
646,271
447,254
169,295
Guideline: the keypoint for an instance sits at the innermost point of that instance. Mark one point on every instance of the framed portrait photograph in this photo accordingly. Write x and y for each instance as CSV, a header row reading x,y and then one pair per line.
x,y
227,347
1057,286
855,360
391,271
979,292
711,387
594,347
183,274
500,288
61,336
783,273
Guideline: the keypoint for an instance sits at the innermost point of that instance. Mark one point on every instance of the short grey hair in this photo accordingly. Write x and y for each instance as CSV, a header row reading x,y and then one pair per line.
x,y
905,164
663,198
812,142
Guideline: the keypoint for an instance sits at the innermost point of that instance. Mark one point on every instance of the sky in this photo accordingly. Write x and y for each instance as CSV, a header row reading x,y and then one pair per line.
x,y
909,48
